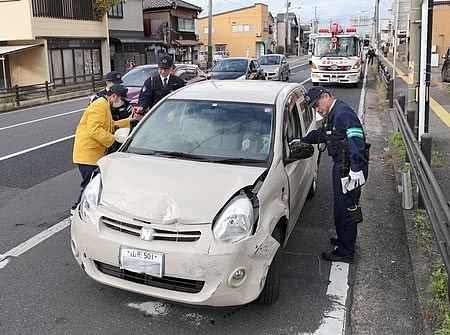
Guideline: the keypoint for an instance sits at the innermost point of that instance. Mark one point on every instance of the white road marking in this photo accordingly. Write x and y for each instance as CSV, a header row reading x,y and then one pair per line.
x,y
35,148
362,98
32,242
41,119
297,66
305,81
46,105
334,321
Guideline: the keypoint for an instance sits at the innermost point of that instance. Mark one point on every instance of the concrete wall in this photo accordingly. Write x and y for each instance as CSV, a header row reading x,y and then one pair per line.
x,y
132,20
29,67
237,42
441,29
15,20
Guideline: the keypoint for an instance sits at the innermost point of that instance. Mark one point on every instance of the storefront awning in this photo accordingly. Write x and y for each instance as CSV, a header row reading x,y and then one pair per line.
x,y
186,43
9,49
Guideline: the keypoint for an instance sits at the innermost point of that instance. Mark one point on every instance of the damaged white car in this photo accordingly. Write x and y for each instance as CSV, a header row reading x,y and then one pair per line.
x,y
202,196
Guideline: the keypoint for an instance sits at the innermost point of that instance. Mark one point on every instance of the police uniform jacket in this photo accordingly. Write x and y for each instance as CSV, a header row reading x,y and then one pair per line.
x,y
94,134
342,128
154,90
120,113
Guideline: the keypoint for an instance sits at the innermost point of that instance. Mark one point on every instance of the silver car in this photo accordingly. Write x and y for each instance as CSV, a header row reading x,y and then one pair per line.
x,y
275,66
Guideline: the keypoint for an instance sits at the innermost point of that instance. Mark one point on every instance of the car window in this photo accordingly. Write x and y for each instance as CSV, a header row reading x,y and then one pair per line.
x,y
292,124
187,74
138,76
231,65
307,114
269,60
213,129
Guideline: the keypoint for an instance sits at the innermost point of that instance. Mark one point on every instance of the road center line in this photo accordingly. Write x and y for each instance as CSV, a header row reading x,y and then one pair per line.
x,y
300,65
305,81
36,148
41,119
32,242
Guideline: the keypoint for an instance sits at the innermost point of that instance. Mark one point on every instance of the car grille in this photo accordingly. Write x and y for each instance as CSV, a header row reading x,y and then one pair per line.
x,y
157,234
168,283
338,68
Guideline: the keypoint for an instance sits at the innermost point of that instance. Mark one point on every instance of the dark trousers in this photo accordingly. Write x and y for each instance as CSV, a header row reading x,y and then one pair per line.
x,y
370,61
346,229
86,173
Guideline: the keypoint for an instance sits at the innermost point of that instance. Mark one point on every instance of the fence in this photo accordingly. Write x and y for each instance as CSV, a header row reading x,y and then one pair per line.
x,y
437,207
387,81
17,94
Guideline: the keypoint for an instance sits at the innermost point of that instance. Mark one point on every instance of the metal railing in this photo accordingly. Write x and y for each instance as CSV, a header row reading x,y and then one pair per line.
x,y
387,81
436,205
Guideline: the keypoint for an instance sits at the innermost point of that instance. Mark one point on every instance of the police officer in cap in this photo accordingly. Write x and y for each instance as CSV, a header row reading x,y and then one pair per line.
x,y
120,112
346,144
157,87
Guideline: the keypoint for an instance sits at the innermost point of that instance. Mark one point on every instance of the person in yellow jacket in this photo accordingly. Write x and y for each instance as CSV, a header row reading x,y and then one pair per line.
x,y
95,133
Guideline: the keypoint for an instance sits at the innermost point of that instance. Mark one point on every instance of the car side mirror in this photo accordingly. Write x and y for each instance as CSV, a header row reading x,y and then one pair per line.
x,y
299,150
121,134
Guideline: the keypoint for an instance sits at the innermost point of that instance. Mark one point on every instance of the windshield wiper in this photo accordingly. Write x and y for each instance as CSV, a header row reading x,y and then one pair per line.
x,y
240,160
178,154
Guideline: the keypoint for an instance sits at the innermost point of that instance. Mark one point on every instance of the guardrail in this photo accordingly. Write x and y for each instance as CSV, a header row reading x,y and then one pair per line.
x,y
387,81
17,94
436,205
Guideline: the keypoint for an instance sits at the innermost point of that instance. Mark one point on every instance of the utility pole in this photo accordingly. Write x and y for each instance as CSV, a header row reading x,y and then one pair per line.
x,y
414,56
286,21
394,69
428,68
316,21
210,30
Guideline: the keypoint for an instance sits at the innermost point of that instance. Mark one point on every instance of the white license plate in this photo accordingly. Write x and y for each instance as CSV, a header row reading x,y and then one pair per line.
x,y
141,261
333,80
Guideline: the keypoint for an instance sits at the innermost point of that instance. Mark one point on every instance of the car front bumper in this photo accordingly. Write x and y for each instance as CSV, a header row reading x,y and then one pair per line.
x,y
351,77
197,273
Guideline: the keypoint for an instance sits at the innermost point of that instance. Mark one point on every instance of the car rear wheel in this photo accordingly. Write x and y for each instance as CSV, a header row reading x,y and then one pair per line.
x,y
271,289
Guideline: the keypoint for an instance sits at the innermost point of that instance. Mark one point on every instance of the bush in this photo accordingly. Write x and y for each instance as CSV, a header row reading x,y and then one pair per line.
x,y
279,49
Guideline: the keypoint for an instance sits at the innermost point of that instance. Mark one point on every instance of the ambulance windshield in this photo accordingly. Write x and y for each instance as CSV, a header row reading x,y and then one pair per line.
x,y
345,47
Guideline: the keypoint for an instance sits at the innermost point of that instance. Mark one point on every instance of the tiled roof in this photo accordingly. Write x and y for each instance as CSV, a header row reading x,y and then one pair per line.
x,y
155,4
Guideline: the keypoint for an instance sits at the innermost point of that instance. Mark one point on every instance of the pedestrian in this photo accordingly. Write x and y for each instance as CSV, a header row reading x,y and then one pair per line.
x,y
124,110
94,134
345,141
371,55
157,87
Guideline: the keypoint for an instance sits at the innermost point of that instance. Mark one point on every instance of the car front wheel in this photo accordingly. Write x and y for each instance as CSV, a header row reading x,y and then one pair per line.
x,y
271,289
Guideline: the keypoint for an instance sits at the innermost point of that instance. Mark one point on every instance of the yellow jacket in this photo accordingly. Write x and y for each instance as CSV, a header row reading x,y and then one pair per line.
x,y
94,133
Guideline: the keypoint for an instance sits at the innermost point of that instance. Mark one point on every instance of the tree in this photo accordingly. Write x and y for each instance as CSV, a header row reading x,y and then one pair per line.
x,y
101,7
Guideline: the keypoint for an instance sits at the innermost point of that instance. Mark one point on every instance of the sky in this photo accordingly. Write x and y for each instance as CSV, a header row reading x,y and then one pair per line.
x,y
337,10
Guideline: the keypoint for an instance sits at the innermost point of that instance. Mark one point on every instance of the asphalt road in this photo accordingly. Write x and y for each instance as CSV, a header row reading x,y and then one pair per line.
x,y
43,291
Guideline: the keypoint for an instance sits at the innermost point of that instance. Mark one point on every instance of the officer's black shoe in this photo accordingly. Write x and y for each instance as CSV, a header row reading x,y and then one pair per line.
x,y
335,257
334,241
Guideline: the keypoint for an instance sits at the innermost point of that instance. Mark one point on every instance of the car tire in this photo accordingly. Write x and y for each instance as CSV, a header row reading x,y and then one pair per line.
x,y
271,290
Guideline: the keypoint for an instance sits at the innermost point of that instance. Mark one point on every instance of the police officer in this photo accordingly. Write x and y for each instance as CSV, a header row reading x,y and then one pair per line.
x,y
157,87
345,141
119,112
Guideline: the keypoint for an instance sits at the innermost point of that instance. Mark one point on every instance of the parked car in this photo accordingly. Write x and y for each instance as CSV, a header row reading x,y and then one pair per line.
x,y
275,66
237,68
219,55
219,178
135,78
445,72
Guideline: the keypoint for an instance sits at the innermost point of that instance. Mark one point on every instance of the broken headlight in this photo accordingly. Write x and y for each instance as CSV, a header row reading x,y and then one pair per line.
x,y
90,199
236,220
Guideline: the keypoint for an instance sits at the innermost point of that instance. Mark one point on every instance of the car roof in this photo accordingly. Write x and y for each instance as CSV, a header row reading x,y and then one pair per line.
x,y
272,55
248,91
246,58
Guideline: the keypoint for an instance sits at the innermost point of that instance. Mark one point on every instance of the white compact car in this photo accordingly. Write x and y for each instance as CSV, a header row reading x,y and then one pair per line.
x,y
198,202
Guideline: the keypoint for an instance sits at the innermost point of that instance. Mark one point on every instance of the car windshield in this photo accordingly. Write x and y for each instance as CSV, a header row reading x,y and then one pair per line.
x,y
269,60
231,65
345,47
138,76
222,132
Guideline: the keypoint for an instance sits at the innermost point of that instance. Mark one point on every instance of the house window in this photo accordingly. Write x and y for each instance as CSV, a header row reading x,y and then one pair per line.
x,y
265,26
67,9
186,24
239,28
116,11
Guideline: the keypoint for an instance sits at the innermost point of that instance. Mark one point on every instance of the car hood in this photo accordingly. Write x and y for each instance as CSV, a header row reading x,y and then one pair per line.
x,y
226,75
270,68
166,190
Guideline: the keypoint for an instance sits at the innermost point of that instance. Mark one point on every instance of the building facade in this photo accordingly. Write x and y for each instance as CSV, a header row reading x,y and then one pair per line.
x,y
244,32
174,24
294,33
48,40
441,29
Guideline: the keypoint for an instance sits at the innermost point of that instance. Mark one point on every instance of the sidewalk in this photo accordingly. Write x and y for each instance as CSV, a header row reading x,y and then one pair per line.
x,y
439,126
383,299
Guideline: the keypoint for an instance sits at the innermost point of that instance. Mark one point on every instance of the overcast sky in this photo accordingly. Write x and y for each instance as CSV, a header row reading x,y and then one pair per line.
x,y
337,10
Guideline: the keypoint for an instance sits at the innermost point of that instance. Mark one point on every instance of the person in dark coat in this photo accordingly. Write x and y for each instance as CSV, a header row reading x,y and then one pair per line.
x,y
157,87
345,141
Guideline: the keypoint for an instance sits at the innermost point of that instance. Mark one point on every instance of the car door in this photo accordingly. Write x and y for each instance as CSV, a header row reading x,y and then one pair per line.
x,y
283,67
295,171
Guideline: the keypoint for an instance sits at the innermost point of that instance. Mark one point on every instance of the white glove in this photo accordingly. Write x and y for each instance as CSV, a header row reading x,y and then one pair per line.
x,y
356,179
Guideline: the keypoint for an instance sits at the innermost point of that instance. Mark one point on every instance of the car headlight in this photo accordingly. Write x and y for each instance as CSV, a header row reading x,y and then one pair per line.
x,y
90,199
241,77
236,221
356,66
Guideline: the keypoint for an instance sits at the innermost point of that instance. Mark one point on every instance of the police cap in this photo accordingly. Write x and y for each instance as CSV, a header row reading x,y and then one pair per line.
x,y
313,94
118,89
165,62
114,77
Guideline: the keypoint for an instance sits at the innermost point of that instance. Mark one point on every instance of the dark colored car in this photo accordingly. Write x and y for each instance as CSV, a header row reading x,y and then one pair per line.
x,y
445,73
135,78
237,68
